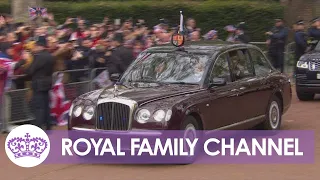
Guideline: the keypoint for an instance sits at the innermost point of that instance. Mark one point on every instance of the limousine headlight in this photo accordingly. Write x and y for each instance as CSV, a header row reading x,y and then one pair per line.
x,y
88,113
168,115
159,115
77,111
302,64
143,116
162,115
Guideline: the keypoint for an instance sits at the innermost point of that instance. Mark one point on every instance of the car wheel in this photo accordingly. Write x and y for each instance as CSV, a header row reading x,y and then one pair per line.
x,y
190,127
273,115
305,96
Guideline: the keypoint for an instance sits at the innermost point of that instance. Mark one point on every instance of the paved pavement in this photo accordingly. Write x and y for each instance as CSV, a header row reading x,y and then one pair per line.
x,y
301,116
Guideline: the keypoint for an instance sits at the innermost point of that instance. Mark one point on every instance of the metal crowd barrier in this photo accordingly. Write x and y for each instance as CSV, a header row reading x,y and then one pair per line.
x,y
2,111
76,82
15,108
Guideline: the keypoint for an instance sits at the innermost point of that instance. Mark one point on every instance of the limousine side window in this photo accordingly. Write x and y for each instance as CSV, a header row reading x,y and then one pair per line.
x,y
260,63
221,69
241,66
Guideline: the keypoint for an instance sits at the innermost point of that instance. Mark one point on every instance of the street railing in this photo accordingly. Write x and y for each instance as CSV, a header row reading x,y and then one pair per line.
x,y
15,104
76,82
16,107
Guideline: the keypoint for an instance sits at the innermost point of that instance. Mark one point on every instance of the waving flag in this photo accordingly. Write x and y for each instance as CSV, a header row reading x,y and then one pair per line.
x,y
58,104
6,72
35,12
103,80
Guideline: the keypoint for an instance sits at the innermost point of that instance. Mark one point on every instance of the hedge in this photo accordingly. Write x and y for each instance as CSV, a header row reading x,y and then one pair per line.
x,y
211,14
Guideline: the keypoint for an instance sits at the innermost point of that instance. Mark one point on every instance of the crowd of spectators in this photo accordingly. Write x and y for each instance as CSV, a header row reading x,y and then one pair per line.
x,y
78,44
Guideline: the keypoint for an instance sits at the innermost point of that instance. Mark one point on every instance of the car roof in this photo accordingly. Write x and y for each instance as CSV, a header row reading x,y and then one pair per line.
x,y
206,47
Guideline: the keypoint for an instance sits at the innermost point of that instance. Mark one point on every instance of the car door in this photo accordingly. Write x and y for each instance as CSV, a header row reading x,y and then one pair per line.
x,y
220,101
261,84
245,80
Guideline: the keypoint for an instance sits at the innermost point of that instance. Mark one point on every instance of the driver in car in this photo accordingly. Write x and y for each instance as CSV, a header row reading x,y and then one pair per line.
x,y
237,67
158,74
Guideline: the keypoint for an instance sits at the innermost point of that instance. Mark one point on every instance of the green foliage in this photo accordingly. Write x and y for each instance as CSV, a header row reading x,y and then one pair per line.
x,y
210,14
4,8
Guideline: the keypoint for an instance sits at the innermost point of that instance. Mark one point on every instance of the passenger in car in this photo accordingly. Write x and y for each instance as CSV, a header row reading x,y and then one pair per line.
x,y
236,67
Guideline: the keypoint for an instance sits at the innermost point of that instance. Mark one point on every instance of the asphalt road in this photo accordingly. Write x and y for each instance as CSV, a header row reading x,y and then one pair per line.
x,y
301,116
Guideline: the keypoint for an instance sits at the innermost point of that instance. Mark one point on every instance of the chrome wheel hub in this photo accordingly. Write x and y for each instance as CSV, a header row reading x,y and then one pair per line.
x,y
189,133
274,115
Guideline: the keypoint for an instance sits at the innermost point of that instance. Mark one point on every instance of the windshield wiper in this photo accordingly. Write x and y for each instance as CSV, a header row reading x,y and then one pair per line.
x,y
181,82
143,81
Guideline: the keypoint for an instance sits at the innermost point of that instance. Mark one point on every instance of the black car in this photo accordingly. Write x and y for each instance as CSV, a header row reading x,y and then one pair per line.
x,y
308,75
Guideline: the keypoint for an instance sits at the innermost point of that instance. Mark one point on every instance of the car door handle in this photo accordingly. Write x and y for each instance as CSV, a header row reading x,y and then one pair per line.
x,y
234,90
243,88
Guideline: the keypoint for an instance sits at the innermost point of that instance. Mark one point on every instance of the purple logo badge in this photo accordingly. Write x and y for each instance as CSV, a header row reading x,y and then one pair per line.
x,y
27,146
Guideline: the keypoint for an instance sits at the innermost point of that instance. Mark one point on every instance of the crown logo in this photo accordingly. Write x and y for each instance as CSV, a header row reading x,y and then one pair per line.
x,y
27,146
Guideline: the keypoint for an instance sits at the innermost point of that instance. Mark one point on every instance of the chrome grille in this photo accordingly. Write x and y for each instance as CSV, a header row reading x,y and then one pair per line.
x,y
113,116
314,66
301,76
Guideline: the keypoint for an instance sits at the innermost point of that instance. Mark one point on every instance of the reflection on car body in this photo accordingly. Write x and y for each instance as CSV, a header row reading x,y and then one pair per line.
x,y
202,86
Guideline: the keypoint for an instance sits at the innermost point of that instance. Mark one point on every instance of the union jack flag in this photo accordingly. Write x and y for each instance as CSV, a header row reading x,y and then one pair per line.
x,y
58,103
35,12
6,72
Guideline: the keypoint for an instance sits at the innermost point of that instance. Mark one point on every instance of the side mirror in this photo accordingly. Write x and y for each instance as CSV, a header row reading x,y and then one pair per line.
x,y
217,82
115,77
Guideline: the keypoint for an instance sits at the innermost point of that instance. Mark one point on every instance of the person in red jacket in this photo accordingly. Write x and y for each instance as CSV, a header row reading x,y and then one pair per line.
x,y
94,36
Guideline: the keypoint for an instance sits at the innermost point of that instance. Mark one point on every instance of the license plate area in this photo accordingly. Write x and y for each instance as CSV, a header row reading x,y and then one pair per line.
x,y
318,76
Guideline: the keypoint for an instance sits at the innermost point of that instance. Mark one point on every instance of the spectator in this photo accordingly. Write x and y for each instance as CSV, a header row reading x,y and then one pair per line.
x,y
191,25
124,54
195,36
62,53
98,57
231,33
9,24
192,29
211,35
161,32
41,72
240,35
94,35
138,47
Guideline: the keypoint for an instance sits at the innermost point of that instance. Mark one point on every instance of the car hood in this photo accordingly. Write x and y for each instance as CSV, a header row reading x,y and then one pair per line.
x,y
142,94
312,55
